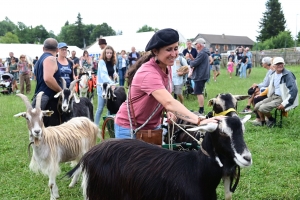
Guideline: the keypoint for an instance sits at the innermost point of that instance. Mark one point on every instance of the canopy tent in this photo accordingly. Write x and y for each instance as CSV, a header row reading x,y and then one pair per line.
x,y
30,50
125,42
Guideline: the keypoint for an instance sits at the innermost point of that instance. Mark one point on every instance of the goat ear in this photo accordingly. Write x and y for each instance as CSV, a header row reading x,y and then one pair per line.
x,y
241,97
211,102
245,119
57,94
210,127
22,114
47,113
77,100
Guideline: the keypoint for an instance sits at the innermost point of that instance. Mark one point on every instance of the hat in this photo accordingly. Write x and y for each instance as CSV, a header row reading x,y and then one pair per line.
x,y
61,45
102,41
278,60
161,38
217,50
199,41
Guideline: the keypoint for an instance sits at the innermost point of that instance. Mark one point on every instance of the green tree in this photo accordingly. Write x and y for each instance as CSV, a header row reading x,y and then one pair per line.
x,y
283,40
88,29
9,38
39,34
273,21
146,28
7,26
298,39
68,35
102,29
52,35
79,31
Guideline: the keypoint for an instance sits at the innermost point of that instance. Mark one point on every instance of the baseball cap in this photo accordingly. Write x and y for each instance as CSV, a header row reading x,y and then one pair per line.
x,y
217,50
61,45
199,41
278,60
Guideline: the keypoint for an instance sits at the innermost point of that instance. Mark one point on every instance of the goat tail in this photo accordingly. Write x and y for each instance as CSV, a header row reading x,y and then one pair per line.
x,y
72,172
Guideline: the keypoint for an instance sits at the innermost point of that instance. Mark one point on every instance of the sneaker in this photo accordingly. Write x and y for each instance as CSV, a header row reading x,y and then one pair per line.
x,y
246,111
257,123
270,124
18,91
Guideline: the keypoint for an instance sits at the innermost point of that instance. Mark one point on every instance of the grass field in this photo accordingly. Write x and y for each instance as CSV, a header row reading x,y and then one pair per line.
x,y
275,173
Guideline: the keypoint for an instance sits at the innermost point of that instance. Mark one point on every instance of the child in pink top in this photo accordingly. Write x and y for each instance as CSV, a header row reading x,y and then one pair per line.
x,y
230,67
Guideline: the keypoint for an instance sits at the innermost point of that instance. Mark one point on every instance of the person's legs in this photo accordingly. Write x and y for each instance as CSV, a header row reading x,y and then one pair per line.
x,y
249,66
178,92
101,103
122,132
21,83
198,90
237,69
28,83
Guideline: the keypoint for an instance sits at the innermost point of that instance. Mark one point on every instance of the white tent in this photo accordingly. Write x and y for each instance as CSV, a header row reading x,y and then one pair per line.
x,y
31,50
125,42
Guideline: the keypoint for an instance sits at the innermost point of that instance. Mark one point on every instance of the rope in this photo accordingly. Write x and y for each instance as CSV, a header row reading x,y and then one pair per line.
x,y
198,141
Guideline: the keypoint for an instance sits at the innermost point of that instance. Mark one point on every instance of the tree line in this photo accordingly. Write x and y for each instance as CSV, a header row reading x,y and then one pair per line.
x,y
76,34
273,33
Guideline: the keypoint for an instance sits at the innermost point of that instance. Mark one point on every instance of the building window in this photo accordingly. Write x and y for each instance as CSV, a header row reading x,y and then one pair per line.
x,y
225,47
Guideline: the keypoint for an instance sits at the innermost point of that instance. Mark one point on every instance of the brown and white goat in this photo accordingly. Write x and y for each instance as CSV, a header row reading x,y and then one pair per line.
x,y
56,144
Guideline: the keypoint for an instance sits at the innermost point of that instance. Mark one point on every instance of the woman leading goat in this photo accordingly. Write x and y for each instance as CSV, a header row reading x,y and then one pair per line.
x,y
150,88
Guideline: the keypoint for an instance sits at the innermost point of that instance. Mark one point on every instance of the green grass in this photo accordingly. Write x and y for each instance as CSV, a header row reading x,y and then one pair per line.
x,y
275,173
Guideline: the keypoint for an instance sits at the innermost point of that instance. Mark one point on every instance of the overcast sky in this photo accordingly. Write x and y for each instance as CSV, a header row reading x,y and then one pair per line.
x,y
190,17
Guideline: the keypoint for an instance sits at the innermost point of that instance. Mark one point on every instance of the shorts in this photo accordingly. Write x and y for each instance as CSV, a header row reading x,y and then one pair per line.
x,y
216,68
199,87
177,89
249,66
268,104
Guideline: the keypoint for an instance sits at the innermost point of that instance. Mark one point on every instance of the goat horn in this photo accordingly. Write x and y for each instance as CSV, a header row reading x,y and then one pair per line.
x,y
72,84
38,100
64,84
26,101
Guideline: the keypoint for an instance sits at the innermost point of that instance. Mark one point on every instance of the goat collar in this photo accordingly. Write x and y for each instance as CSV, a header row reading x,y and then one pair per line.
x,y
224,113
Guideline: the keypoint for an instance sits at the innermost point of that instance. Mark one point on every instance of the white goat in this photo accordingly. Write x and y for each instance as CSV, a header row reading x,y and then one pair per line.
x,y
56,144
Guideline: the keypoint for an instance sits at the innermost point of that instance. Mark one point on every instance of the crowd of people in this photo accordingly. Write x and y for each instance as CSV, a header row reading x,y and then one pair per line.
x,y
152,77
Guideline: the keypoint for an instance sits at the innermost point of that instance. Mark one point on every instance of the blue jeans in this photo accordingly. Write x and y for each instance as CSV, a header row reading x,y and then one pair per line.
x,y
122,132
243,70
101,104
121,73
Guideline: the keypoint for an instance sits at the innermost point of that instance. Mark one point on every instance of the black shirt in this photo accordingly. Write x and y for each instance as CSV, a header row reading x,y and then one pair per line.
x,y
244,59
239,55
110,68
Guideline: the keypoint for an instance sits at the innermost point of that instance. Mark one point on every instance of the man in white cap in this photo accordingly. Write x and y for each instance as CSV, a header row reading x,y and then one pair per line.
x,y
200,73
282,93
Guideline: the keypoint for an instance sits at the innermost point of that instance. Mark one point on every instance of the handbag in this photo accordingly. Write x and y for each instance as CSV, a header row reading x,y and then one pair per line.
x,y
149,136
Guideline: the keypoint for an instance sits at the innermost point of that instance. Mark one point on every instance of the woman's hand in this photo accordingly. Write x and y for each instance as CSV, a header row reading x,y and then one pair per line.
x,y
212,120
170,115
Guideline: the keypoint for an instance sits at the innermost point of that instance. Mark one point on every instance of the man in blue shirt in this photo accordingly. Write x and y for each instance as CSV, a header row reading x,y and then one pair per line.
x,y
133,56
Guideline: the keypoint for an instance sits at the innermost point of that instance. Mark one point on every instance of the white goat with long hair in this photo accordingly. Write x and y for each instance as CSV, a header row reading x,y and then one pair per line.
x,y
56,144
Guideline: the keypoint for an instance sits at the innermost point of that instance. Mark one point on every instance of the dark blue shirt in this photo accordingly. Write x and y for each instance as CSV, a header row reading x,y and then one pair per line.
x,y
193,52
66,72
39,72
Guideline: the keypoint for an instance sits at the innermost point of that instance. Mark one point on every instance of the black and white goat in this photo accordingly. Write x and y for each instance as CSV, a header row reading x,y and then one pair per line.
x,y
114,97
222,105
73,106
133,169
56,144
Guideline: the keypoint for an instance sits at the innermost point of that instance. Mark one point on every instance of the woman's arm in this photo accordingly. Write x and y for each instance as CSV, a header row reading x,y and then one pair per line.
x,y
174,106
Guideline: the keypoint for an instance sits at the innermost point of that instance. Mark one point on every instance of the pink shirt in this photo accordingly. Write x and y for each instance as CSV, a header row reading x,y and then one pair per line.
x,y
148,78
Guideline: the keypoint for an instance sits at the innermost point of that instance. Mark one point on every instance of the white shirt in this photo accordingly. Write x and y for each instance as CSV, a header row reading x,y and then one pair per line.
x,y
277,78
